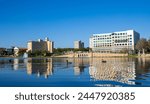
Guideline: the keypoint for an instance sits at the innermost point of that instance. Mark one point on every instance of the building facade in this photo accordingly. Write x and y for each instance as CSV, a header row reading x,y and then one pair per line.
x,y
10,51
114,42
41,45
78,44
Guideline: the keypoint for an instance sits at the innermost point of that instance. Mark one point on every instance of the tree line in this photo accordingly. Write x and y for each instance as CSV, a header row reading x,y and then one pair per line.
x,y
57,51
60,51
143,45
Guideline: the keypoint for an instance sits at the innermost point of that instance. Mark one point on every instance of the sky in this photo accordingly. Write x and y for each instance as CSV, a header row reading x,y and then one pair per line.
x,y
65,21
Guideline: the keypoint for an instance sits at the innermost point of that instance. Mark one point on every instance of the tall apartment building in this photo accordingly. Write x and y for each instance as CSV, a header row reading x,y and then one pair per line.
x,y
41,45
114,42
78,44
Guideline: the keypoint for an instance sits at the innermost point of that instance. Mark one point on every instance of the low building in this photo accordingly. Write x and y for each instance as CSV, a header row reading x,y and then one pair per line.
x,y
10,51
41,45
18,50
78,44
115,41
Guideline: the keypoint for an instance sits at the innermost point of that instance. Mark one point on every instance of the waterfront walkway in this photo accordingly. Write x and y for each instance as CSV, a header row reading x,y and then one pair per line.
x,y
90,54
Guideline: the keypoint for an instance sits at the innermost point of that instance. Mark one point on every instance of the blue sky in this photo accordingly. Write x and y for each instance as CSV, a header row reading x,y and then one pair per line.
x,y
65,21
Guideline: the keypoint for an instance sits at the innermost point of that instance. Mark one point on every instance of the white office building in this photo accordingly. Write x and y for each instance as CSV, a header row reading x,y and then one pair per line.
x,y
115,41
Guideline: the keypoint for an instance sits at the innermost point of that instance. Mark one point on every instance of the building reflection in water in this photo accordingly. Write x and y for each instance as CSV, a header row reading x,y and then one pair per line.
x,y
16,64
40,67
80,64
119,69
124,70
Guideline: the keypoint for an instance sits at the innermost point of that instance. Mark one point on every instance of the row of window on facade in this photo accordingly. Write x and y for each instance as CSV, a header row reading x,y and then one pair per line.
x,y
124,37
116,41
114,35
109,45
119,34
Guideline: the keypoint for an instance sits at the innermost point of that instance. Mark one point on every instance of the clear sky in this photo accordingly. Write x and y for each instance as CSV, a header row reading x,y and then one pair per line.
x,y
65,21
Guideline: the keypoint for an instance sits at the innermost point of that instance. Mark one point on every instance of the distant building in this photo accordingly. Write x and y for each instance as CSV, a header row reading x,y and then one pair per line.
x,y
18,50
40,45
10,51
78,44
114,42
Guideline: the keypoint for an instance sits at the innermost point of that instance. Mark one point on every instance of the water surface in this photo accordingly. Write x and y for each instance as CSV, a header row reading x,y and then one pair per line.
x,y
75,72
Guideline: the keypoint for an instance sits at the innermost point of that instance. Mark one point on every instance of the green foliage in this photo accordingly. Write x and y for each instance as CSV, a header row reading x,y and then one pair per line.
x,y
2,52
60,51
82,49
39,53
148,45
21,52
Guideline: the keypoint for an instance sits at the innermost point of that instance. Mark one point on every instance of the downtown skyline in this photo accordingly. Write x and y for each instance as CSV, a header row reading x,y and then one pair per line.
x,y
65,21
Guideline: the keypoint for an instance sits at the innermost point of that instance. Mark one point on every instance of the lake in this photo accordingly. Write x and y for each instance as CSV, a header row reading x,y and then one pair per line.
x,y
75,72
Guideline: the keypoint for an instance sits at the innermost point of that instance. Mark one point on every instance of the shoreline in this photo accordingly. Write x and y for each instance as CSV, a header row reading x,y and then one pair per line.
x,y
85,57
89,55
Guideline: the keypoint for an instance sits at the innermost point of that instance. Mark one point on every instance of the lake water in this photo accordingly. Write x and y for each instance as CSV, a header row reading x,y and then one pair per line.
x,y
75,72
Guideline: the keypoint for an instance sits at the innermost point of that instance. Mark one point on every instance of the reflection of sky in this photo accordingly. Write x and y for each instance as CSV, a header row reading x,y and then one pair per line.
x,y
79,72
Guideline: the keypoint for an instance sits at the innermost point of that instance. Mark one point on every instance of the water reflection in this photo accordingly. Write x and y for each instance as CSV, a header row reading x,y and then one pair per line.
x,y
142,66
79,65
16,64
128,71
40,67
120,70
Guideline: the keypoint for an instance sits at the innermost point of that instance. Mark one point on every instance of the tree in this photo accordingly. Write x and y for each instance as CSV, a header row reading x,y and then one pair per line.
x,y
21,52
60,51
2,51
148,42
141,45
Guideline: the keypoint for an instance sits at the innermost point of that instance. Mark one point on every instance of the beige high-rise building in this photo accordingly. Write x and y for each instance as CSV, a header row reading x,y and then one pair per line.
x,y
78,44
41,45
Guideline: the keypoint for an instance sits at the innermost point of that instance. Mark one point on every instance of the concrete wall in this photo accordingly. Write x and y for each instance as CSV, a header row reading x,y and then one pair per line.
x,y
93,55
145,55
109,55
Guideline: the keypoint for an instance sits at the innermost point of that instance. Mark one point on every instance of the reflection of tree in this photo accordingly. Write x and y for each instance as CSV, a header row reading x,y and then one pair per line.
x,y
79,65
142,66
2,64
40,67
119,70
